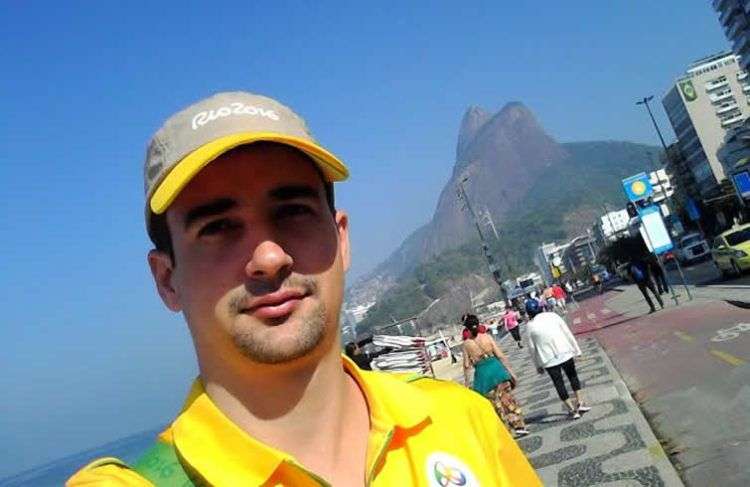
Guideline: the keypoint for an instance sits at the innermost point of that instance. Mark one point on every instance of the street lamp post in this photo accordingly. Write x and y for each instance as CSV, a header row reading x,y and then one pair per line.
x,y
653,120
667,198
494,270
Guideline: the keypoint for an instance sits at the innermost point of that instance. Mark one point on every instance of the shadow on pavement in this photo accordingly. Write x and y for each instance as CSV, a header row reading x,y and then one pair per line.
x,y
544,418
739,304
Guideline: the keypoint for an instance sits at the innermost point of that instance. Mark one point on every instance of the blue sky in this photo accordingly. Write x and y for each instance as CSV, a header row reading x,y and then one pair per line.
x,y
89,353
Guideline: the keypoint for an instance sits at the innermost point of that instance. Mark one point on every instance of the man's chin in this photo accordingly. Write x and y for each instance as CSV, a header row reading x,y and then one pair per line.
x,y
280,340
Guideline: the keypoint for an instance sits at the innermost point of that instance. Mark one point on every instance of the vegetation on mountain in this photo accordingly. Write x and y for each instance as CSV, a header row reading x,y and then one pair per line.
x,y
585,183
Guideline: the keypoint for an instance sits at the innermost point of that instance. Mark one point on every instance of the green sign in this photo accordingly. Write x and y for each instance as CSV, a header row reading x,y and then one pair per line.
x,y
688,90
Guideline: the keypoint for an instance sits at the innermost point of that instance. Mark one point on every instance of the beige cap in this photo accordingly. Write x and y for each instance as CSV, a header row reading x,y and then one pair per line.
x,y
195,136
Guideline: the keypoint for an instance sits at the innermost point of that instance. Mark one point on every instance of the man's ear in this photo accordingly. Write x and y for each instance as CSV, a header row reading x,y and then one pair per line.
x,y
161,269
342,226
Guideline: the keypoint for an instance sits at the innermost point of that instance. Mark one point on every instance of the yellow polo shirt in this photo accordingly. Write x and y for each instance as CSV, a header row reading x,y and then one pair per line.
x,y
424,432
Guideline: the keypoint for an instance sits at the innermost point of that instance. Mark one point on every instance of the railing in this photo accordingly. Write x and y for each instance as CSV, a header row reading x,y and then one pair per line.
x,y
726,108
730,121
724,96
713,85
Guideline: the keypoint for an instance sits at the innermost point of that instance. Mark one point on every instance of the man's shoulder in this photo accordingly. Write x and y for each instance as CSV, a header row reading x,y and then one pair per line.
x,y
439,394
107,471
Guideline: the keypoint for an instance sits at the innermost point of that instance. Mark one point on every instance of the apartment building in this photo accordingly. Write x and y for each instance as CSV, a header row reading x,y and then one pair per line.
x,y
549,260
712,98
734,17
611,226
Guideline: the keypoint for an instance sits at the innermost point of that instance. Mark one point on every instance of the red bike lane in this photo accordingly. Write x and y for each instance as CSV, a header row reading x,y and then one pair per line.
x,y
688,367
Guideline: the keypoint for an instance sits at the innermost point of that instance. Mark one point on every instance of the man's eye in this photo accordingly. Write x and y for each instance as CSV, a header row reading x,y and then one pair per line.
x,y
290,211
216,227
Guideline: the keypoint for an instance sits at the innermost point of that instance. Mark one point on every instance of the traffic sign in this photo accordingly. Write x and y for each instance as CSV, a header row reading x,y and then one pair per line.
x,y
654,231
742,182
637,187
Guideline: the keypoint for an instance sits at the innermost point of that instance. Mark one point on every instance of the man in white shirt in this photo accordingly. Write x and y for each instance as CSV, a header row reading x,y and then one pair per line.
x,y
553,348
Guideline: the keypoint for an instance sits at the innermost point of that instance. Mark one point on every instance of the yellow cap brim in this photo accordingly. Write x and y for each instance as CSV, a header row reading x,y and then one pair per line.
x,y
185,170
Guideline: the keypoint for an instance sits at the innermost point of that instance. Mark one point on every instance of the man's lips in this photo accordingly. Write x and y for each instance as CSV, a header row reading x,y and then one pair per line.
x,y
275,305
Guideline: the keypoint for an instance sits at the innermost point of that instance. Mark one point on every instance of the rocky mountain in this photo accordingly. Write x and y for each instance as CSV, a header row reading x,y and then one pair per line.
x,y
508,166
498,158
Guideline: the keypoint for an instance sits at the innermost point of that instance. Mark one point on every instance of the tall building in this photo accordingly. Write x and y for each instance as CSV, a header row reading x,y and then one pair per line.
x,y
549,260
734,16
736,148
678,171
580,252
711,98
611,226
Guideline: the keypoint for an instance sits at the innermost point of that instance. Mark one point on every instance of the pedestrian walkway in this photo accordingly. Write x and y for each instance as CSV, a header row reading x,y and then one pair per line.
x,y
610,445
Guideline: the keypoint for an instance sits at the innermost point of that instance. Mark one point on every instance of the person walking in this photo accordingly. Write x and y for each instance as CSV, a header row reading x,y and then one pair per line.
x,y
510,320
250,248
568,287
493,376
639,274
560,297
655,269
549,298
553,348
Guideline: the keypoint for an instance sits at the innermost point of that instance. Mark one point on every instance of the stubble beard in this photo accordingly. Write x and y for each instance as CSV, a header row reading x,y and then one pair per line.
x,y
261,344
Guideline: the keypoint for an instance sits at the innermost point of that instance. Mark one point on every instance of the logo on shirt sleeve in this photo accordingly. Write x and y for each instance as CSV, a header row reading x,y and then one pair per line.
x,y
444,470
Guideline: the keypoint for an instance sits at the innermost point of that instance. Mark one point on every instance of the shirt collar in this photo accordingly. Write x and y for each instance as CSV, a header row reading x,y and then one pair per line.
x,y
225,455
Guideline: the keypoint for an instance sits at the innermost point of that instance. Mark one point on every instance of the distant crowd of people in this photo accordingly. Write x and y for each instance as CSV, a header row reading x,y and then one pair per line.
x,y
552,348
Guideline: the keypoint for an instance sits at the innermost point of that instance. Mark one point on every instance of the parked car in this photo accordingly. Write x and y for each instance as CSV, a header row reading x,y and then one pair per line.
x,y
667,257
692,248
731,250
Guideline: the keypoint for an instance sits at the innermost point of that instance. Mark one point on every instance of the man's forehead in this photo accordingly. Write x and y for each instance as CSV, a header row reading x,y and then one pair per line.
x,y
249,172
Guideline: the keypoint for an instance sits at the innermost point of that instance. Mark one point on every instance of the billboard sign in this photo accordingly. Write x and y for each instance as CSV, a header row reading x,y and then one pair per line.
x,y
653,230
688,90
742,183
637,187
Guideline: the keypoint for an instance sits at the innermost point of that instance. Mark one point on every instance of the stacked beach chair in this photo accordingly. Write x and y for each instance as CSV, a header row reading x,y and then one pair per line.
x,y
408,354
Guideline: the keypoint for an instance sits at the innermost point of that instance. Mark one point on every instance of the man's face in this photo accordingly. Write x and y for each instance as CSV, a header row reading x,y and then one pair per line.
x,y
259,259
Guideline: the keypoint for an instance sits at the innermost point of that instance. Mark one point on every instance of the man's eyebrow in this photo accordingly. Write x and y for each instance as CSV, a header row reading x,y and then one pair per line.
x,y
212,208
294,191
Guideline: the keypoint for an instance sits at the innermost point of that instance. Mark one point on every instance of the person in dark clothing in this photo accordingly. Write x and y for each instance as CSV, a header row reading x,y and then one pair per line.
x,y
639,274
359,357
658,274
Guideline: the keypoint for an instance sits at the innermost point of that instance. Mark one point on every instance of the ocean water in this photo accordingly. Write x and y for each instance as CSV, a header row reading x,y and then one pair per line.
x,y
54,474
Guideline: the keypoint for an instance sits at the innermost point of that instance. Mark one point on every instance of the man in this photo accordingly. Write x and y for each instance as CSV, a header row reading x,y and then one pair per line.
x,y
360,357
355,353
250,248
639,274
656,271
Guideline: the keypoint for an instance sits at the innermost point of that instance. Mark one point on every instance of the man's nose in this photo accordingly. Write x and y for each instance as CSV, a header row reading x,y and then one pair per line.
x,y
268,261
